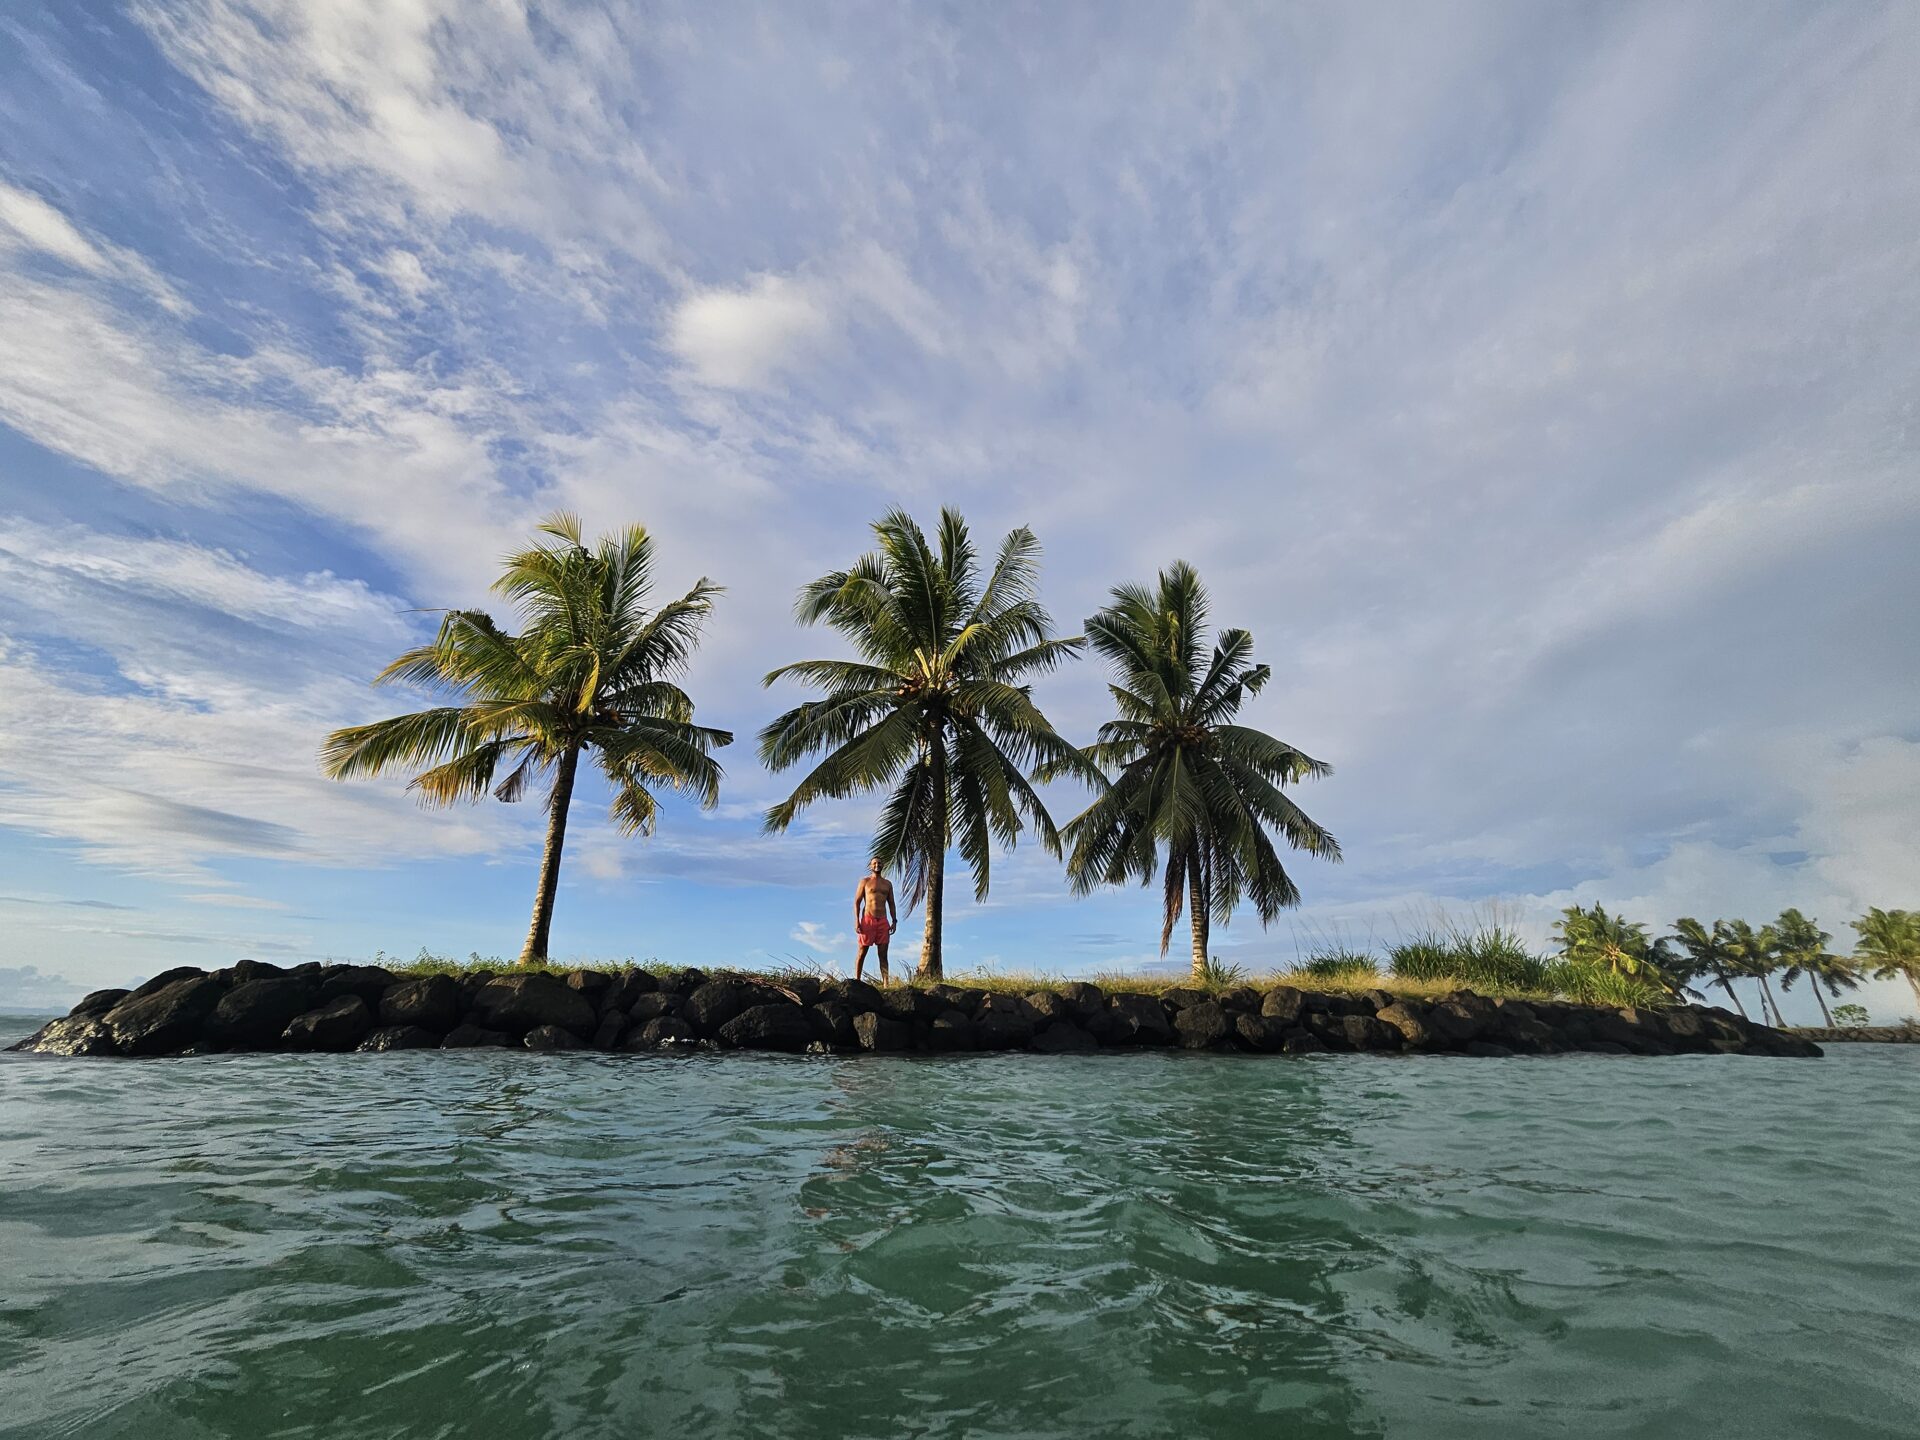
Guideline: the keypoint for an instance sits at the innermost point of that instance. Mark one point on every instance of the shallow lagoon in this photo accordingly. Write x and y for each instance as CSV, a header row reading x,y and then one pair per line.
x,y
1133,1245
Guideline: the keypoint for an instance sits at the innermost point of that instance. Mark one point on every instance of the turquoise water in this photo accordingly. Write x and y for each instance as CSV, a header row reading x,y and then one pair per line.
x,y
1147,1245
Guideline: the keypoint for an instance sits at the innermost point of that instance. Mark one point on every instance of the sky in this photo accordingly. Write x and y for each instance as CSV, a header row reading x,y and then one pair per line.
x,y
1536,383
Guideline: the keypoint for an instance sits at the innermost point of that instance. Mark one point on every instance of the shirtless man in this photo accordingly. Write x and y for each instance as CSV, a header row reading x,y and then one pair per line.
x,y
872,907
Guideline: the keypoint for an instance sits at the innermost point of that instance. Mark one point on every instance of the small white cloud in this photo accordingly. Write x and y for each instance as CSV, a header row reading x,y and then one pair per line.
x,y
738,339
812,934
28,222
402,270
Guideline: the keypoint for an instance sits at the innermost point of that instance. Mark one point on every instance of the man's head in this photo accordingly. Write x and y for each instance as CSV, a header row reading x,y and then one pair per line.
x,y
874,867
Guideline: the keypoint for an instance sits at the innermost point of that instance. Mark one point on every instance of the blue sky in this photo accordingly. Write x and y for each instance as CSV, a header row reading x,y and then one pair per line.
x,y
1536,383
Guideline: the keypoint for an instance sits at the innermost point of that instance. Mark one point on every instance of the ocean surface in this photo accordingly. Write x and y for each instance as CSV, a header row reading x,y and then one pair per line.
x,y
503,1245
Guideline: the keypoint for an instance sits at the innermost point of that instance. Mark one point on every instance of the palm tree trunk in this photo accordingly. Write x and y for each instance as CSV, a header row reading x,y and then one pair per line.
x,y
930,967
1767,991
537,933
1826,1014
1200,916
1734,995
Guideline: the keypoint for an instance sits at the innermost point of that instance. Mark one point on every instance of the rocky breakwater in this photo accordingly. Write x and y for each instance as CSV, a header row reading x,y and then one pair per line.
x,y
335,1008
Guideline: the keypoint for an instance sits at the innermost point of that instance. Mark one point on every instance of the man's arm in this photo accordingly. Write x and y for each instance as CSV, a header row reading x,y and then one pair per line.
x,y
859,894
892,910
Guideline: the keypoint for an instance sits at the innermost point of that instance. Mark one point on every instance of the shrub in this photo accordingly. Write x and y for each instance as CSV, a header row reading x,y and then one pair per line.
x,y
1595,985
1340,964
1220,975
1850,1017
1485,957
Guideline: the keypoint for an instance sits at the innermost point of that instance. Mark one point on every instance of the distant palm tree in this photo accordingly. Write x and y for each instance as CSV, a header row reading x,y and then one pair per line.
x,y
1709,956
1803,952
937,706
591,669
1188,782
1890,945
1757,952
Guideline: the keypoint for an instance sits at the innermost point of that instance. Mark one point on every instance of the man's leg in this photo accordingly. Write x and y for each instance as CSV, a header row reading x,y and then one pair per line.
x,y
860,962
883,961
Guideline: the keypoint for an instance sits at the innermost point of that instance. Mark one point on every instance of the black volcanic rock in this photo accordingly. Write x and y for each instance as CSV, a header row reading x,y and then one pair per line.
x,y
553,1037
432,1003
340,1024
1063,1037
369,982
164,1020
664,1032
520,1003
880,1032
71,1035
1204,1026
768,1027
257,1012
100,1001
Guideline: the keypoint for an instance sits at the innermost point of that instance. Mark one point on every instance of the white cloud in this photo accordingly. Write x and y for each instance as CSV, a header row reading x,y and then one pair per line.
x,y
812,934
739,339
27,222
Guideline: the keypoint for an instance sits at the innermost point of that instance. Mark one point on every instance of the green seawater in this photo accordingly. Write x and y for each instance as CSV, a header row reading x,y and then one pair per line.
x,y
503,1245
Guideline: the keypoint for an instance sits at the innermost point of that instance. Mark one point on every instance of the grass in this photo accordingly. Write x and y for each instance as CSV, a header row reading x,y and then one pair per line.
x,y
1350,973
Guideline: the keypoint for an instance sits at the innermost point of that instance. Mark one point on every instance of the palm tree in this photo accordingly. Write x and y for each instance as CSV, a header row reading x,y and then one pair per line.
x,y
591,669
1709,956
1803,952
1890,944
1757,952
1187,780
1610,942
937,706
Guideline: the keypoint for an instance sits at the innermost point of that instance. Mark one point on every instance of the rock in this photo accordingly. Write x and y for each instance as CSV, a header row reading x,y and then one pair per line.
x,y
369,982
256,1012
1204,1026
1325,1002
805,989
1144,1020
1085,998
908,1004
99,1002
963,998
607,1036
164,979
244,970
1109,1027
856,995
653,1005
1686,1027
400,1037
1369,1032
1454,1024
432,1003
338,1025
591,984
519,1003
1010,1014
627,989
881,1032
1301,1042
1601,1047
1049,1007
553,1037
1410,1021
1063,1037
474,1037
949,1030
1001,1029
1258,1032
71,1035
684,982
1182,997
166,1019
833,1023
1238,998
663,1032
717,1001
784,1026
1379,1000
1284,1004
1330,1030
1488,1049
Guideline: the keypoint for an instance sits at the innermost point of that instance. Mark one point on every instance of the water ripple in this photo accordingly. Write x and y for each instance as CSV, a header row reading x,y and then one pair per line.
x,y
411,1245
